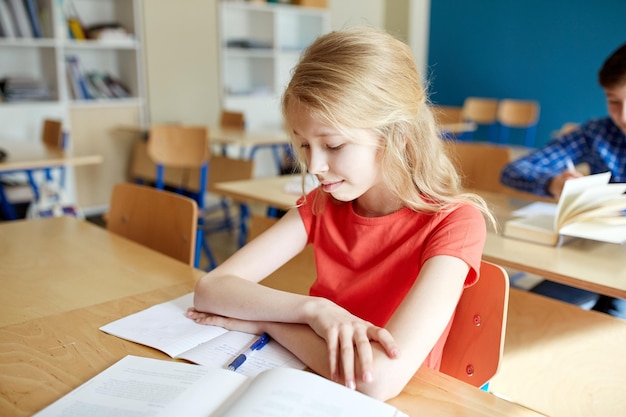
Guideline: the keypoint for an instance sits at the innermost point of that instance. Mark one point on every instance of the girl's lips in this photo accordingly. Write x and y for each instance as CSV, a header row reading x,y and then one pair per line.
x,y
329,187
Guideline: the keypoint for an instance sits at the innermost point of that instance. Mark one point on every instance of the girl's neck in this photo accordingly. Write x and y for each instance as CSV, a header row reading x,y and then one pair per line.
x,y
376,203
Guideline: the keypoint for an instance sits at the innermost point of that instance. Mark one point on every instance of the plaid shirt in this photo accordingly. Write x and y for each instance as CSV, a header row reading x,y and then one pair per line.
x,y
599,143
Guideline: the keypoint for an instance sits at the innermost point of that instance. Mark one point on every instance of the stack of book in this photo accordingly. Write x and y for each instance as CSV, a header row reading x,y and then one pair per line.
x,y
89,85
20,88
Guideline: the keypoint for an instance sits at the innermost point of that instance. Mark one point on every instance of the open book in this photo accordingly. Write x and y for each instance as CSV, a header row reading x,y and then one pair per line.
x,y
589,207
166,328
151,387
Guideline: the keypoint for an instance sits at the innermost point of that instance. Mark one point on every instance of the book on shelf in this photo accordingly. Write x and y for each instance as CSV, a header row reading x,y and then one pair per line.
x,y
20,18
76,78
589,207
74,26
33,16
165,327
6,21
24,88
143,386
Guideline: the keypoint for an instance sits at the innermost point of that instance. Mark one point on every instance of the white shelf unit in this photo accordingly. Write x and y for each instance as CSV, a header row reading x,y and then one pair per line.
x,y
259,45
45,59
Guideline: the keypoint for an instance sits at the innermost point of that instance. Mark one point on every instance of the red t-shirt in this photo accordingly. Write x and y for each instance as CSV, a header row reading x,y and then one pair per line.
x,y
367,265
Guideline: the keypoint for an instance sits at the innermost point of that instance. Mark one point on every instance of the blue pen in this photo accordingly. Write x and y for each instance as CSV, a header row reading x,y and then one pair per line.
x,y
241,358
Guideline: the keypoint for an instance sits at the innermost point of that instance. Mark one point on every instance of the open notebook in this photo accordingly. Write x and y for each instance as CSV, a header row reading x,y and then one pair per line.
x,y
166,328
136,386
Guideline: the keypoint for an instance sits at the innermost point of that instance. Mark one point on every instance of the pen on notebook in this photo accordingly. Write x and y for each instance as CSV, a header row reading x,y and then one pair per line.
x,y
242,357
570,165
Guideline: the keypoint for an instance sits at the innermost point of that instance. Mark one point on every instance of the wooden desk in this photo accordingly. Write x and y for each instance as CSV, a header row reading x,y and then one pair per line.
x,y
586,264
561,360
93,278
29,156
26,156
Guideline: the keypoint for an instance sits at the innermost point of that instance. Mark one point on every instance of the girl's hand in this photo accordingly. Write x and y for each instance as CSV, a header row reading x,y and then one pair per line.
x,y
255,327
349,341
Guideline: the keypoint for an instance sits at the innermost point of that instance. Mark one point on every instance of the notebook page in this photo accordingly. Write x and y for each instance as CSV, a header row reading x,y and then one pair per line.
x,y
294,393
164,327
222,350
136,386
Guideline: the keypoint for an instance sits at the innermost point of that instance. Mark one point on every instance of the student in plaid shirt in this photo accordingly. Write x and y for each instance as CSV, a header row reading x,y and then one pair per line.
x,y
601,143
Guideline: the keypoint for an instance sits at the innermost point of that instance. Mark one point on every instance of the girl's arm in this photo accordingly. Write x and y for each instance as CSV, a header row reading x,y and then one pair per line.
x,y
232,290
416,326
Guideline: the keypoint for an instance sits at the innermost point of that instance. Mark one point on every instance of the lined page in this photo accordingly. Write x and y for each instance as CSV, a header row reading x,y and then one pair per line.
x,y
223,349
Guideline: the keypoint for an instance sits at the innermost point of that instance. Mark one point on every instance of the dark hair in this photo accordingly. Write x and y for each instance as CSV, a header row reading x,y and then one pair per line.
x,y
613,71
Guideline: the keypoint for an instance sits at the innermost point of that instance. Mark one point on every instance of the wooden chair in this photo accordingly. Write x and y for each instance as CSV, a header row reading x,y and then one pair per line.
x,y
185,148
479,163
447,114
232,120
161,220
475,344
518,114
483,112
222,169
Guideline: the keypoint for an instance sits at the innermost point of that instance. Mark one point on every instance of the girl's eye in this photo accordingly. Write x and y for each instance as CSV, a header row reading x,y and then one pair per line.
x,y
305,146
336,147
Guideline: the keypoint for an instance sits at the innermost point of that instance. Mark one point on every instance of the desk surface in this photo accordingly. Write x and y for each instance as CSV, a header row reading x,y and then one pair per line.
x,y
26,155
51,343
587,264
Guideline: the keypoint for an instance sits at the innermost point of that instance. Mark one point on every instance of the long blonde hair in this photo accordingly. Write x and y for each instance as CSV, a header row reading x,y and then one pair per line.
x,y
365,78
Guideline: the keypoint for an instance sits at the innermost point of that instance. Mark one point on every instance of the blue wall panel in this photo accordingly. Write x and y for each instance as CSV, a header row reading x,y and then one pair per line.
x,y
549,51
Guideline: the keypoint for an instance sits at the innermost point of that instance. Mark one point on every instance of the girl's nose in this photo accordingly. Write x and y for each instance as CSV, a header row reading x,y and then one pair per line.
x,y
317,162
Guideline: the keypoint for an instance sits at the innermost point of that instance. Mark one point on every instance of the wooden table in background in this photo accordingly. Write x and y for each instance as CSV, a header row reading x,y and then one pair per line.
x,y
63,278
586,264
27,156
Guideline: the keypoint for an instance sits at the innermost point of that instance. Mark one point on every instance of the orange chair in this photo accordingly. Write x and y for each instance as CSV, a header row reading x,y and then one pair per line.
x,y
475,344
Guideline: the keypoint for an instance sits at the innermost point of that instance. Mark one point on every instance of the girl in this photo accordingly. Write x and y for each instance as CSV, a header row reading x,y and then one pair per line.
x,y
395,240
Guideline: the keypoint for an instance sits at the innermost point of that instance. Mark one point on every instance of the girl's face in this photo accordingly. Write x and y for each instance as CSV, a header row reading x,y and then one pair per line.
x,y
616,103
346,169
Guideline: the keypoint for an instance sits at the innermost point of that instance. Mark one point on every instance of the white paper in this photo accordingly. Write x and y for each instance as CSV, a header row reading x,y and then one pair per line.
x,y
146,387
166,327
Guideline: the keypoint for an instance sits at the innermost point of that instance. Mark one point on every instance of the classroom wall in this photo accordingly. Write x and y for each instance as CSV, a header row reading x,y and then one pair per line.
x,y
548,51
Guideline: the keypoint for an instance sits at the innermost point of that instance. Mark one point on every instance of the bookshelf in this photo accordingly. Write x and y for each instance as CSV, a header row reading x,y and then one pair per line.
x,y
259,45
115,56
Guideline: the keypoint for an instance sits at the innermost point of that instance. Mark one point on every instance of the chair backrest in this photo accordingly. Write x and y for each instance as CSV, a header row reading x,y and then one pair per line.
x,y
518,114
52,133
172,146
480,110
475,344
161,220
222,168
178,146
232,119
479,163
447,114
